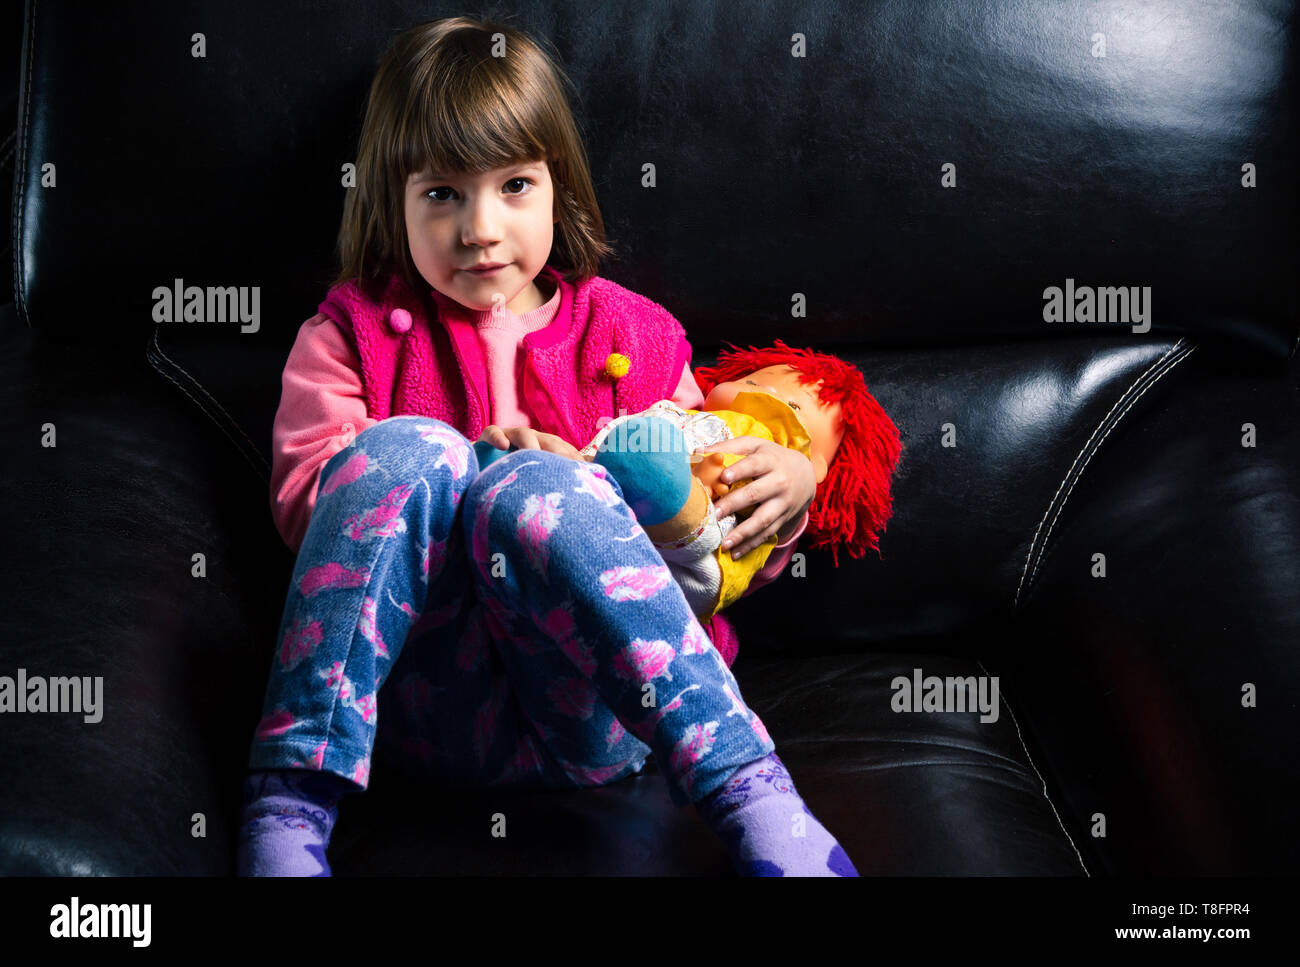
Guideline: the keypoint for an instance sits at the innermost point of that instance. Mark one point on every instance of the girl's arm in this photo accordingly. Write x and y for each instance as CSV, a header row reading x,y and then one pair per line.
x,y
322,409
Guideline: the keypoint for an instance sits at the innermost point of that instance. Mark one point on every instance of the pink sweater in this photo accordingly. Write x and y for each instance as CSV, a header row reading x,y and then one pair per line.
x,y
323,408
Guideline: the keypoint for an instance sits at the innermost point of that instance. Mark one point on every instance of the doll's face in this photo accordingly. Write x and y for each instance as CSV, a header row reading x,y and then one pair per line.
x,y
456,220
821,420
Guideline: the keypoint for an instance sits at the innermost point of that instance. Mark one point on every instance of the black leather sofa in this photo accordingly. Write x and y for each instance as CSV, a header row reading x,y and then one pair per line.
x,y
1123,743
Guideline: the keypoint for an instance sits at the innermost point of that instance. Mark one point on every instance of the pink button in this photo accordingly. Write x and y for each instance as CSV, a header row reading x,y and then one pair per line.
x,y
400,320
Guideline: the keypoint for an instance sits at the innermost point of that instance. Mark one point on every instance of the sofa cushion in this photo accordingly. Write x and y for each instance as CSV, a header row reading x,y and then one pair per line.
x,y
922,793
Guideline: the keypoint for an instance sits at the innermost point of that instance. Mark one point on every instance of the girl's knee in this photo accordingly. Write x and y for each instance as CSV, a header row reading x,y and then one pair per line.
x,y
374,439
521,467
402,440
537,462
398,431
401,450
514,477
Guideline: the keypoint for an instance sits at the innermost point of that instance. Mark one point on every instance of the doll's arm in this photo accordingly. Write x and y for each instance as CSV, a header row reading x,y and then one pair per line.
x,y
707,468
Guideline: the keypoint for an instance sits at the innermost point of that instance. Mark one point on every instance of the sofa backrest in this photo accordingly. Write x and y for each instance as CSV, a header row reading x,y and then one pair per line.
x,y
877,174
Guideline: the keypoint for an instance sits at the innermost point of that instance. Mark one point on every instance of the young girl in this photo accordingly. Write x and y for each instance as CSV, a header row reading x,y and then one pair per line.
x,y
516,626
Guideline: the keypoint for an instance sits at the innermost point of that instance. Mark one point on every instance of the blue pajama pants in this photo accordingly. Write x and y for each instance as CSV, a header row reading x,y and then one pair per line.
x,y
516,626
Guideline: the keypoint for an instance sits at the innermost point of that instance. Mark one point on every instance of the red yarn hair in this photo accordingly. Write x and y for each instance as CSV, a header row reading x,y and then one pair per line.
x,y
853,502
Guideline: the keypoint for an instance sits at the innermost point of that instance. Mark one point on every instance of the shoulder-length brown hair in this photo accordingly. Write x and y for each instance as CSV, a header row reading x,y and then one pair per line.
x,y
463,95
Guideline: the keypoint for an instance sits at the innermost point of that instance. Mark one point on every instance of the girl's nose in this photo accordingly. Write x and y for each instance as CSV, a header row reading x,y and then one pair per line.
x,y
479,233
480,226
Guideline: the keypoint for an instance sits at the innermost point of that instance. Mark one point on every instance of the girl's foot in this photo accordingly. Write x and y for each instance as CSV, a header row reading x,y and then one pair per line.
x,y
767,828
286,823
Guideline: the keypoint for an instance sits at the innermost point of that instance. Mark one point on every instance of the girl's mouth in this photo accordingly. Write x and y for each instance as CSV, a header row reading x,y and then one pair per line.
x,y
485,273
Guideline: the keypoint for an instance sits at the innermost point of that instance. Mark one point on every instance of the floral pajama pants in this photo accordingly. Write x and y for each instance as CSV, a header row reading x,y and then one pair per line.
x,y
516,626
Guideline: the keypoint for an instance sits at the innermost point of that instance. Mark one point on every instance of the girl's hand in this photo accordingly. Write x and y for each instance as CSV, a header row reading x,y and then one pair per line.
x,y
526,438
783,487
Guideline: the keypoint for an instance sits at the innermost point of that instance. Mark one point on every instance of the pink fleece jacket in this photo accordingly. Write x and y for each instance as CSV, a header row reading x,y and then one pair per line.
x,y
326,400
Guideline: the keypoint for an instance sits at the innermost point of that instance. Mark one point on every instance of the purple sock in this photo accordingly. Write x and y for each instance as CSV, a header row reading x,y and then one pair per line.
x,y
287,820
767,829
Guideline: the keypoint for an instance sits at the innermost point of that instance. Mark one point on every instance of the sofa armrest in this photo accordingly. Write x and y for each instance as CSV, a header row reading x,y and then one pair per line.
x,y
99,583
1133,683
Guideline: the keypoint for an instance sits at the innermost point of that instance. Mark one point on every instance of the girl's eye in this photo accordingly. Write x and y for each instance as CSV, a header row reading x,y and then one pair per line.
x,y
430,192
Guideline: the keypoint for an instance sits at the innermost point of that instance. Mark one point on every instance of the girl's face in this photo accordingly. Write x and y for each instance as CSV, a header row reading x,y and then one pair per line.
x,y
455,221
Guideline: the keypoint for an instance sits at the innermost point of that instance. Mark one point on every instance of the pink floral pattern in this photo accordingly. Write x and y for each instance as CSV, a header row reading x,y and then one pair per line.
x,y
277,723
361,772
672,706
534,526
336,680
694,640
737,707
572,696
482,517
344,475
580,653
694,746
591,481
627,583
558,625
643,660
382,520
331,575
369,630
434,559
587,776
300,641
614,735
455,454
